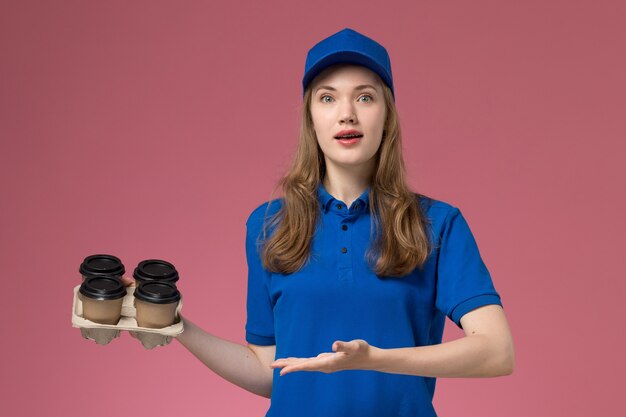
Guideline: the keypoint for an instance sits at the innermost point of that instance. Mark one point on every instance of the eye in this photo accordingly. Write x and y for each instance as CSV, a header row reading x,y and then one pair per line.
x,y
323,97
370,98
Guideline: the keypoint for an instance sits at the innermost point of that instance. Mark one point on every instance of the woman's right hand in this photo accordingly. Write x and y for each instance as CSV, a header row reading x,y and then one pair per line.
x,y
128,281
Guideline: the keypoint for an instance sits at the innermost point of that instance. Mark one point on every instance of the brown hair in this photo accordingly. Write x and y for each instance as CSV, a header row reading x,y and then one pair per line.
x,y
394,209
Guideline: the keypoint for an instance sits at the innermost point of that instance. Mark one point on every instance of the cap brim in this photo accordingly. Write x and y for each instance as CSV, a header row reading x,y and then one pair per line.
x,y
344,57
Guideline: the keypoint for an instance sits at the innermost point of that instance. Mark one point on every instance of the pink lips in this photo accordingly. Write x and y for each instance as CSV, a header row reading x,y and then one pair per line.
x,y
348,141
347,132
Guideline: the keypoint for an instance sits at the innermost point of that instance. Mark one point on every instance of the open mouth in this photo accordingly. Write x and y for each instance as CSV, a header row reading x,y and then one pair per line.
x,y
346,137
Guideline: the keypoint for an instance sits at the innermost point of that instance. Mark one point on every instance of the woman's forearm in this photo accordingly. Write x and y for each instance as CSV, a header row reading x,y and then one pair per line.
x,y
472,356
234,362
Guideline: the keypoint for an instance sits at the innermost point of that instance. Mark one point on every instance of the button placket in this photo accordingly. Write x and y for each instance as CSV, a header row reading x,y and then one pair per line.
x,y
345,249
344,240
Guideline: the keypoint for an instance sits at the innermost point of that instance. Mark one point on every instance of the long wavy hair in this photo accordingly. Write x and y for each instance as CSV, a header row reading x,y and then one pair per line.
x,y
399,232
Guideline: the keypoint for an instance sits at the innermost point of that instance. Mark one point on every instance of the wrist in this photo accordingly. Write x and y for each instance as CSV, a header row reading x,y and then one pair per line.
x,y
376,358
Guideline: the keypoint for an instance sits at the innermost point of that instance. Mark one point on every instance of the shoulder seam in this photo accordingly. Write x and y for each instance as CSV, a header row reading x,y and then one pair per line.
x,y
261,209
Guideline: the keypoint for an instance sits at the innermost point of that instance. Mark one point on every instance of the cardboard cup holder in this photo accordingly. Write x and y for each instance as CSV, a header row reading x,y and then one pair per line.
x,y
103,334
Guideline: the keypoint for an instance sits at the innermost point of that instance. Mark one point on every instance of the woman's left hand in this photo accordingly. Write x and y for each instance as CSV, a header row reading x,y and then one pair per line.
x,y
355,354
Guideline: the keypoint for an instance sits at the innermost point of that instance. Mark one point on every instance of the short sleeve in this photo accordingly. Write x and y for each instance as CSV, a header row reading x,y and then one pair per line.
x,y
463,281
260,316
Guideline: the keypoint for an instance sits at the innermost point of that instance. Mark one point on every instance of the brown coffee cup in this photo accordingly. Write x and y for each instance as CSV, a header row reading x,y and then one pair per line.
x,y
101,265
102,299
155,304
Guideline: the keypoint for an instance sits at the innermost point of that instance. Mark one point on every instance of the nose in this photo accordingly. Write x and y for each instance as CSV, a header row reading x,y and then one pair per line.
x,y
347,113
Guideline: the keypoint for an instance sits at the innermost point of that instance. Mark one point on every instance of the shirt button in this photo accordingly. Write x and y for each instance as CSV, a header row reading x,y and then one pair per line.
x,y
344,250
344,227
339,206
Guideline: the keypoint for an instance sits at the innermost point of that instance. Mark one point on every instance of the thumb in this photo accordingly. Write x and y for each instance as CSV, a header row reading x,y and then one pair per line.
x,y
339,346
128,281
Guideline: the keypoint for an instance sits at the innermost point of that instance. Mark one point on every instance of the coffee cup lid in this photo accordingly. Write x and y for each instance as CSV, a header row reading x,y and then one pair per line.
x,y
98,265
157,292
155,270
103,288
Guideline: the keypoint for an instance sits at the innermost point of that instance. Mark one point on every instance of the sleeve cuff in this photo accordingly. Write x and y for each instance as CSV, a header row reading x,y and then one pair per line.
x,y
256,339
470,304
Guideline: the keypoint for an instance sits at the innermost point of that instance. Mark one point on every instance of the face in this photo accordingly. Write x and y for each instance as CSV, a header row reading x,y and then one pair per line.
x,y
339,102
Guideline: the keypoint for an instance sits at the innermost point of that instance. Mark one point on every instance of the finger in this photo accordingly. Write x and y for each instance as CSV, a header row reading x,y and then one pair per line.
x,y
282,362
281,367
348,346
128,281
310,364
289,360
289,369
286,371
299,362
340,346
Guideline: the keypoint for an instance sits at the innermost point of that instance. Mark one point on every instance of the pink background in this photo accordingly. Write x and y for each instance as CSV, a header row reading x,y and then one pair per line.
x,y
152,129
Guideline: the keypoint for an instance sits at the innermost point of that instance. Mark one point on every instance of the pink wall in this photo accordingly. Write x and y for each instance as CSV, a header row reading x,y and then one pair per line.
x,y
152,129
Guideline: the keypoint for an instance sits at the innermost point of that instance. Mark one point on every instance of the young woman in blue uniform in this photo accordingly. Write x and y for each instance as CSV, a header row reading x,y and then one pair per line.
x,y
351,274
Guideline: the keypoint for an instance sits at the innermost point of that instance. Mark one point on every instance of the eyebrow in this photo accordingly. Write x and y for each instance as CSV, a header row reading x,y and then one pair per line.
x,y
358,87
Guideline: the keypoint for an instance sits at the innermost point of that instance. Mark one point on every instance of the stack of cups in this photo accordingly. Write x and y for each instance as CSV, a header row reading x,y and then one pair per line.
x,y
156,295
102,292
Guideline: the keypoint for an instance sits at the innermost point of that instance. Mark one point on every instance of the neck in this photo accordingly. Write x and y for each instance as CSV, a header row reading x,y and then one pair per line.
x,y
345,185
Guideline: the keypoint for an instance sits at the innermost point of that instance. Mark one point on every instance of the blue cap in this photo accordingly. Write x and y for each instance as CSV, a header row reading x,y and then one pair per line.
x,y
350,47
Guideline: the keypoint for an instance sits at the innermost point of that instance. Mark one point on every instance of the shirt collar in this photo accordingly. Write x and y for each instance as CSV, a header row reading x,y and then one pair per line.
x,y
326,199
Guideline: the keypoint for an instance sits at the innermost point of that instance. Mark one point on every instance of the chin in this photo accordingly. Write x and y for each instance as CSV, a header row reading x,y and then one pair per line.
x,y
348,162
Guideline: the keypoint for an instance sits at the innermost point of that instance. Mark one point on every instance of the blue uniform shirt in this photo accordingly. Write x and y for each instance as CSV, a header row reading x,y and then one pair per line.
x,y
336,296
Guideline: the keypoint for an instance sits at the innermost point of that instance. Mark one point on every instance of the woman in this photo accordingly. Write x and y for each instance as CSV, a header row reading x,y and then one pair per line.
x,y
351,274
